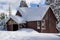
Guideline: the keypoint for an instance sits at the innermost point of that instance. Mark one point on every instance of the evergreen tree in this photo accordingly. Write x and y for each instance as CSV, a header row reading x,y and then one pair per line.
x,y
3,16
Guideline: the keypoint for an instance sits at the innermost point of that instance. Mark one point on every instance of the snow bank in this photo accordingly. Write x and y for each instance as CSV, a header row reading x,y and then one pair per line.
x,y
27,34
28,30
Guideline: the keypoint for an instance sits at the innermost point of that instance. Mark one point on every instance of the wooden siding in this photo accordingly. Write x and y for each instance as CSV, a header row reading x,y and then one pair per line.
x,y
50,22
33,25
10,24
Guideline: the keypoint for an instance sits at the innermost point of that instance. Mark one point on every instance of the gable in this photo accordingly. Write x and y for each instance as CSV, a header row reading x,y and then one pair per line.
x,y
11,21
53,14
18,13
50,13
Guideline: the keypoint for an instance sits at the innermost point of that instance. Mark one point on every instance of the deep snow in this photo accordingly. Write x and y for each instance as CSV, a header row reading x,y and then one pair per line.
x,y
27,34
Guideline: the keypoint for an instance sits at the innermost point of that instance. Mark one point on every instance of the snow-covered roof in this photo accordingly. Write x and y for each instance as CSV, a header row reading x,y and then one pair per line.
x,y
33,14
17,19
58,25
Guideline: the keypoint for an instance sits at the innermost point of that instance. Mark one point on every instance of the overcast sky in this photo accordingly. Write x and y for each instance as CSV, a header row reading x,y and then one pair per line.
x,y
4,4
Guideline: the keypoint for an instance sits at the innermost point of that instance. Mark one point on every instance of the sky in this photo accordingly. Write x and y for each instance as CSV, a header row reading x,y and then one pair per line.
x,y
14,4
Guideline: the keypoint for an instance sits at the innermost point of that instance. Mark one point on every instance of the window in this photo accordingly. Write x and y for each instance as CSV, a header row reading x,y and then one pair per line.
x,y
38,25
43,24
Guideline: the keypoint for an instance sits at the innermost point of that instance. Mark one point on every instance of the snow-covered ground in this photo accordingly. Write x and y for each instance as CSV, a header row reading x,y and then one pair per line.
x,y
27,34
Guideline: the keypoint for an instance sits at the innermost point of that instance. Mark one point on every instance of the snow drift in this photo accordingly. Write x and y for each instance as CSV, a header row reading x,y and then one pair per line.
x,y
27,34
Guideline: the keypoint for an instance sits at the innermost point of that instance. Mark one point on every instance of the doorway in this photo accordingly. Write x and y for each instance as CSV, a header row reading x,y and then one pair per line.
x,y
15,27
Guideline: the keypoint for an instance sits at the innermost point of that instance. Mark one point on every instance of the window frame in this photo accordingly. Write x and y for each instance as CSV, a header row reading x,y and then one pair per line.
x,y
43,26
38,25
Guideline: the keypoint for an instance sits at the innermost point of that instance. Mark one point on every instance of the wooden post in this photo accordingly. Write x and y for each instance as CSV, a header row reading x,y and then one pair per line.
x,y
18,27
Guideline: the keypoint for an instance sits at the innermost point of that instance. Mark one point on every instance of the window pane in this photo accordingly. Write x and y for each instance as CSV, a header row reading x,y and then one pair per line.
x,y
38,25
43,23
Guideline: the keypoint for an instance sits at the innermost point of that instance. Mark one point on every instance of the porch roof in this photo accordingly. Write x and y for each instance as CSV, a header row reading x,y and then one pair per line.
x,y
17,19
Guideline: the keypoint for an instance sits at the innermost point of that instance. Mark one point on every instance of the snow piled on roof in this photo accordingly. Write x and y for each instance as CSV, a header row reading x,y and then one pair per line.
x,y
33,14
27,34
17,19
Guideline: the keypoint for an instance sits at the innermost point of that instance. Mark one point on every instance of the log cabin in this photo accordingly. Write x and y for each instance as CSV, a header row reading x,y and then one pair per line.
x,y
42,19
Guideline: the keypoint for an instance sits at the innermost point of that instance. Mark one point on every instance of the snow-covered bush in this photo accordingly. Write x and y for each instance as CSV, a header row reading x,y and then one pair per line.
x,y
1,27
